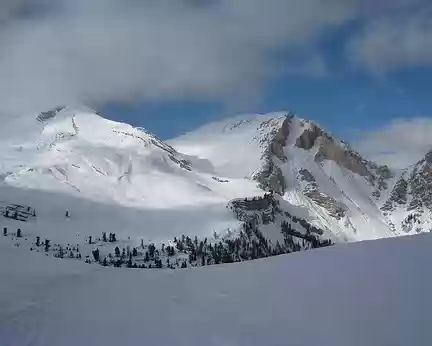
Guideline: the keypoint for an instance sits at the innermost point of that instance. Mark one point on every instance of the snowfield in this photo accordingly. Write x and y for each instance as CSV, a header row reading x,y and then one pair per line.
x,y
369,293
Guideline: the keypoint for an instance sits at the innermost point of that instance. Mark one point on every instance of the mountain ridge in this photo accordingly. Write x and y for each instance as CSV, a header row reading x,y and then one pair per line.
x,y
346,196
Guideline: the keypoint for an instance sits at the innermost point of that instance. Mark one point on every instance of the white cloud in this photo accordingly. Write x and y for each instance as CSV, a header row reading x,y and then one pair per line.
x,y
396,41
109,50
401,143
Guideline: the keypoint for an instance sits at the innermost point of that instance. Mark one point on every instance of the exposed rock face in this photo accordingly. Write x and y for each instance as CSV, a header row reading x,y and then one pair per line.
x,y
307,139
397,196
49,114
279,140
270,176
329,150
305,175
414,189
349,159
311,190
420,184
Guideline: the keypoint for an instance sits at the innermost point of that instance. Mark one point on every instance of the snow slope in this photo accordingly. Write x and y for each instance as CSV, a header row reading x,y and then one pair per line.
x,y
369,293
81,153
339,199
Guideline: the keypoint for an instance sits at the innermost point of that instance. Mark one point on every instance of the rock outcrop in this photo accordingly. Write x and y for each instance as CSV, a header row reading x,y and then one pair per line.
x,y
311,190
270,176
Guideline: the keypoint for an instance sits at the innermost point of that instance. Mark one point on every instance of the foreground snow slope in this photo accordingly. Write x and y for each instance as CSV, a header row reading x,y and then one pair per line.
x,y
370,293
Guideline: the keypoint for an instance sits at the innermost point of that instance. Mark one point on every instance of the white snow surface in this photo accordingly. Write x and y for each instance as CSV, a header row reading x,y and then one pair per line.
x,y
178,187
368,293
81,153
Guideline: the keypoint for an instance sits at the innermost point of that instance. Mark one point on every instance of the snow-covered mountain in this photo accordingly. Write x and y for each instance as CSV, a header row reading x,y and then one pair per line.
x,y
82,153
305,165
215,181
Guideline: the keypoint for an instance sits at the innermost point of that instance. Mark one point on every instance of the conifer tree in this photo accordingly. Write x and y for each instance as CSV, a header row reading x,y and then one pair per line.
x,y
96,255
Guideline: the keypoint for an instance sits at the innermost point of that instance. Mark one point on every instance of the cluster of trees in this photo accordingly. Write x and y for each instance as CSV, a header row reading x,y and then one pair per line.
x,y
112,237
19,212
187,252
308,240
72,252
250,244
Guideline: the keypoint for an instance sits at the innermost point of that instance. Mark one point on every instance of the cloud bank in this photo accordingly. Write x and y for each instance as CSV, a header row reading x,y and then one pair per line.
x,y
401,143
394,41
94,51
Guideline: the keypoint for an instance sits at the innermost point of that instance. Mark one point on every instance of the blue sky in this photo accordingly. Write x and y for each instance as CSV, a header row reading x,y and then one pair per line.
x,y
343,104
361,68
348,99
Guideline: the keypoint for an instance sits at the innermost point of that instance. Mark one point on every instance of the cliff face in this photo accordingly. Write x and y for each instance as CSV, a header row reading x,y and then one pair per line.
x,y
270,176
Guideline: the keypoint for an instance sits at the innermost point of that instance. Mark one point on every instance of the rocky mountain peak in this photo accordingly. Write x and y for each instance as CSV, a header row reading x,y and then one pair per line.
x,y
309,136
49,114
428,157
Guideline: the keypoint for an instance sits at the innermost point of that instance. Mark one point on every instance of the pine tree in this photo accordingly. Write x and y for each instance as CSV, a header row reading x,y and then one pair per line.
x,y
47,245
37,241
134,252
129,264
5,231
151,249
117,251
90,240
96,255
104,262
19,235
104,237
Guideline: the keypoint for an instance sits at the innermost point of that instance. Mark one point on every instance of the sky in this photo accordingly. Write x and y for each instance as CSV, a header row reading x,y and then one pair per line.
x,y
360,68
